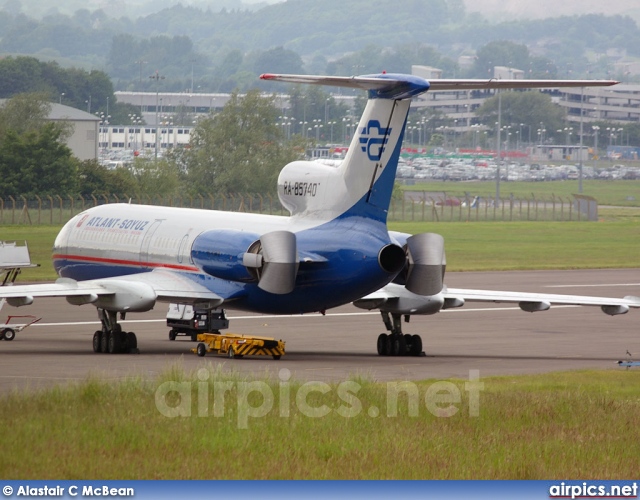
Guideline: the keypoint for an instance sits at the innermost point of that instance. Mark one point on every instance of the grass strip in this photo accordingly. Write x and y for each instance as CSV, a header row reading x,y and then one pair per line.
x,y
470,246
574,425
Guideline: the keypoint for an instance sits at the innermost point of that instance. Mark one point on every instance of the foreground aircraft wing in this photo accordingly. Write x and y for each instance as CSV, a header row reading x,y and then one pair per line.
x,y
397,299
532,302
136,292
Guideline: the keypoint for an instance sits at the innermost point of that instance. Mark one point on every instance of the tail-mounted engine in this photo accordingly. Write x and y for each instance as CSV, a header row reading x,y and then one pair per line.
x,y
425,264
271,259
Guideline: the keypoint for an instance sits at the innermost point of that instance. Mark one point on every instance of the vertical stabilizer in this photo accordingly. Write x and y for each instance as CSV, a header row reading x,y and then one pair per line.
x,y
363,183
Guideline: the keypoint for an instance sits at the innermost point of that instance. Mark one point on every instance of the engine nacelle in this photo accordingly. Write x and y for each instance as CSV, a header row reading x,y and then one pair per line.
x,y
271,259
425,266
220,253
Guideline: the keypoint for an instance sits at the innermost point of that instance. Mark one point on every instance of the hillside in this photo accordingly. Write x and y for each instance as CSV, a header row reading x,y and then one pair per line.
x,y
502,10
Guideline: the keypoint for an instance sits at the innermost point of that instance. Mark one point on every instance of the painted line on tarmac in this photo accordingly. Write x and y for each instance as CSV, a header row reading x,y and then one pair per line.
x,y
276,316
592,286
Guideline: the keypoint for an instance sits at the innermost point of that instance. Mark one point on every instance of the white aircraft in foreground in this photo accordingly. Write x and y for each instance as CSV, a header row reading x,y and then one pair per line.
x,y
333,249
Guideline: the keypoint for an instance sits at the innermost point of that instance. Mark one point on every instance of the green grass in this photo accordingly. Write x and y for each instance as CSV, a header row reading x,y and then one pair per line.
x,y
40,240
576,425
470,246
606,192
484,246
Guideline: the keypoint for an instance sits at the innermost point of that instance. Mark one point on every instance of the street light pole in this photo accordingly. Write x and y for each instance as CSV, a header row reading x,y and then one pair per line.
x,y
596,128
581,130
157,77
498,146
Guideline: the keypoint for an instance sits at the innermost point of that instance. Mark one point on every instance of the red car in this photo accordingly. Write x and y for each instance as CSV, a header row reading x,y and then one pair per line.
x,y
449,202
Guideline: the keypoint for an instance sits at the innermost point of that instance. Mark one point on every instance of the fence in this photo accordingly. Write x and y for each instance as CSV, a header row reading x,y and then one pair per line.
x,y
57,209
421,207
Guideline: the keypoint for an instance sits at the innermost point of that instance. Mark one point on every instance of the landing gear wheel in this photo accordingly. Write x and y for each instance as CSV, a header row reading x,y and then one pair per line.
x,y
111,338
416,345
201,350
407,340
97,341
194,337
132,342
104,342
382,341
9,334
395,348
399,347
172,335
386,347
115,343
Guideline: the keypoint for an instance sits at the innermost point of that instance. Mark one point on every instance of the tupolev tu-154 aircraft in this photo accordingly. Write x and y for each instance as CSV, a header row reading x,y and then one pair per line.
x,y
333,248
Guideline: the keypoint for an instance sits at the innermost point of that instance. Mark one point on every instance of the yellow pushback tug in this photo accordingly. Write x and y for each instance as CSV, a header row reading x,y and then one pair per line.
x,y
237,346
204,326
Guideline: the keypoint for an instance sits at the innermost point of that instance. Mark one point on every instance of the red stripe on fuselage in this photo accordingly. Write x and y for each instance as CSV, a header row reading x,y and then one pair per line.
x,y
122,262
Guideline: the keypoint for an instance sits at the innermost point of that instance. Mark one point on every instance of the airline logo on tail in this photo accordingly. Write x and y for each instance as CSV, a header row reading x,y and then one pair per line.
x,y
373,143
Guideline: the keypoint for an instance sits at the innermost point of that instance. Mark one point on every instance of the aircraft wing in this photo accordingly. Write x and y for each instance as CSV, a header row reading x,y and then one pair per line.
x,y
136,292
532,302
397,299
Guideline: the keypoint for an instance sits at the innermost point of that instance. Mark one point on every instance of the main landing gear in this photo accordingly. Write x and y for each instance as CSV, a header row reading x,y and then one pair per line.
x,y
395,343
111,338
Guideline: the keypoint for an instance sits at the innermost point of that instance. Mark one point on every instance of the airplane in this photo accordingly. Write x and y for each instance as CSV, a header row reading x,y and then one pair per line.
x,y
334,248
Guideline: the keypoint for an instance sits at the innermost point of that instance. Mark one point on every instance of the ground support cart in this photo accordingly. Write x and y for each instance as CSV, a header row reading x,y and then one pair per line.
x,y
183,319
13,258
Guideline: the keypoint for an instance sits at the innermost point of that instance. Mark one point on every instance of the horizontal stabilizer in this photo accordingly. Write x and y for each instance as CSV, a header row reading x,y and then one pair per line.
x,y
382,86
494,83
400,86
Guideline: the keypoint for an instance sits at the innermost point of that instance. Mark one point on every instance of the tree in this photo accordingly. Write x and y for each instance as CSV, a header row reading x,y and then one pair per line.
x,y
531,108
500,53
94,179
23,113
36,162
239,149
156,178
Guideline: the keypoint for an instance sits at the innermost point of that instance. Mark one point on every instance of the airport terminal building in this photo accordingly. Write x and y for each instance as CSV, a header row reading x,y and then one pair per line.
x,y
619,104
